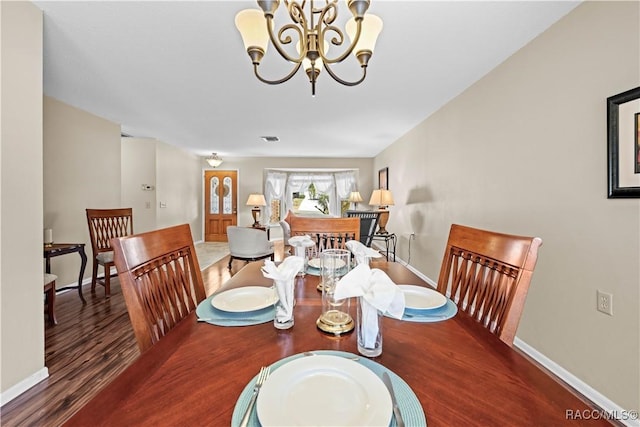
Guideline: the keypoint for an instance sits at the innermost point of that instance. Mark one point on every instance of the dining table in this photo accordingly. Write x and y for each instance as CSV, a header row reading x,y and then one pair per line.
x,y
456,370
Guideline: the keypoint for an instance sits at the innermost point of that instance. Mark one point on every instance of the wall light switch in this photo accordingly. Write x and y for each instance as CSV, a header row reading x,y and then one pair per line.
x,y
163,205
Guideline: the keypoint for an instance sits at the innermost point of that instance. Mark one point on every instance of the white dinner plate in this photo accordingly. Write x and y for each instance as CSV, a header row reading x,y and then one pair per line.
x,y
421,298
323,390
248,298
315,263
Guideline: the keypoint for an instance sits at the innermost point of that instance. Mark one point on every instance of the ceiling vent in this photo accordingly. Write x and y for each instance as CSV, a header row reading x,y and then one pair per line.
x,y
270,138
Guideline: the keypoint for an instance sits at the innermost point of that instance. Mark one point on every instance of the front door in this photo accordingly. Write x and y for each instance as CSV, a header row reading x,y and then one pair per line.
x,y
220,204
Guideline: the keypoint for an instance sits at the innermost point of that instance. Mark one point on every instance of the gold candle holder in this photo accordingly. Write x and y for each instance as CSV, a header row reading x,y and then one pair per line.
x,y
335,318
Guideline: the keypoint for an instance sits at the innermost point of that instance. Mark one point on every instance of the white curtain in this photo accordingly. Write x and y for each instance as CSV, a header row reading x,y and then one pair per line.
x,y
325,184
274,190
345,184
296,183
280,185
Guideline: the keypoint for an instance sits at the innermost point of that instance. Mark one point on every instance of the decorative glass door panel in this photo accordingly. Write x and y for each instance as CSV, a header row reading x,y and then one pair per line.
x,y
221,204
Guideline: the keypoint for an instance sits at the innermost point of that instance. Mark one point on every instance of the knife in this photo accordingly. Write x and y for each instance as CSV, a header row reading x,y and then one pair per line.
x,y
396,409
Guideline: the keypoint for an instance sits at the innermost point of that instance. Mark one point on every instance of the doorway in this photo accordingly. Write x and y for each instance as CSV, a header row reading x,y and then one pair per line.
x,y
220,204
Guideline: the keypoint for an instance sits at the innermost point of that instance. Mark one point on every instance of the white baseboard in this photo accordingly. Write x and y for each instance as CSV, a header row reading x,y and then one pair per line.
x,y
24,385
604,403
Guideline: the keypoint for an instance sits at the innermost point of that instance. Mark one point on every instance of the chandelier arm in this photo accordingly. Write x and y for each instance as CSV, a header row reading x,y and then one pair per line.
x,y
321,38
278,41
344,82
277,82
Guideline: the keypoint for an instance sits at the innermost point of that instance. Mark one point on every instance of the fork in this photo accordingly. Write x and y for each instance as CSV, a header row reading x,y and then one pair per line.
x,y
262,377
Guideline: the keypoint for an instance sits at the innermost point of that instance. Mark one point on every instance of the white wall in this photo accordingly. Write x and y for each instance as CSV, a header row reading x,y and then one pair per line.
x,y
524,151
21,265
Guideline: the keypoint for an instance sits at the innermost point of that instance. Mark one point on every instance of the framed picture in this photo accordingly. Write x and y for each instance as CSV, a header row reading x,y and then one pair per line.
x,y
383,179
623,144
637,143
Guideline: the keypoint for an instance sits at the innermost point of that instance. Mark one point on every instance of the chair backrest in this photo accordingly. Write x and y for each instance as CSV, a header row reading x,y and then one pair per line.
x,y
105,224
487,275
328,233
368,224
247,240
286,231
160,279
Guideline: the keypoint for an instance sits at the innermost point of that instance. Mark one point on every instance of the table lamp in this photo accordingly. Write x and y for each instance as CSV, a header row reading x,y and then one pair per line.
x,y
256,200
354,198
382,199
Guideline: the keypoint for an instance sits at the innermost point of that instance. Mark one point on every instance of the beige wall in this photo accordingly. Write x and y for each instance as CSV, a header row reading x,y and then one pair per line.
x,y
88,165
138,162
21,266
251,171
524,151
81,170
179,188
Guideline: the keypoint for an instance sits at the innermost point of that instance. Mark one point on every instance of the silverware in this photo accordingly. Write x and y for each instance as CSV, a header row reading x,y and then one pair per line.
x,y
262,377
396,409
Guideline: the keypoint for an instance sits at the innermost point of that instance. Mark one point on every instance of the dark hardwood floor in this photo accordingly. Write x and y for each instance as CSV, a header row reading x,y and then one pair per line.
x,y
90,345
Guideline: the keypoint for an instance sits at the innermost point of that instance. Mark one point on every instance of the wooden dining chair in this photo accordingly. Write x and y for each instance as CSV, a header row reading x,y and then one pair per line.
x,y
160,279
327,233
487,274
105,224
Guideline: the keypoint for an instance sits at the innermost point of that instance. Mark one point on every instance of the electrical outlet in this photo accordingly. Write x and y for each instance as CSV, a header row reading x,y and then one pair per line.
x,y
605,302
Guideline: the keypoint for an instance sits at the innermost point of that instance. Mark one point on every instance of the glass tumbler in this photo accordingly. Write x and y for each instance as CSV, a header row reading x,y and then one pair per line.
x,y
369,329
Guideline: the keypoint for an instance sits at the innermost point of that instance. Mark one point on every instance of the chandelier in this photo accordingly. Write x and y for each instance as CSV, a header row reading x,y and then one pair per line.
x,y
310,34
213,160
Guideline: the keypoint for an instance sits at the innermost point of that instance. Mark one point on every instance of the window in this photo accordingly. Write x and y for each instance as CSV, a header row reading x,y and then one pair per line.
x,y
311,193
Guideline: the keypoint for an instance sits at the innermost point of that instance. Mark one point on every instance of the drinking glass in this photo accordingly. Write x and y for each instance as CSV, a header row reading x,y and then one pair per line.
x,y
369,329
284,306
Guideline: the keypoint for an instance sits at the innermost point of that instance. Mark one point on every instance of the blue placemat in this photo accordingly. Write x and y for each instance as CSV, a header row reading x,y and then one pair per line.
x,y
312,271
224,318
410,407
439,314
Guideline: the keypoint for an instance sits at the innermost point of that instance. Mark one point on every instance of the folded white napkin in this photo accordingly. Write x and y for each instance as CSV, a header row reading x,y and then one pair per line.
x,y
378,293
302,241
283,277
360,252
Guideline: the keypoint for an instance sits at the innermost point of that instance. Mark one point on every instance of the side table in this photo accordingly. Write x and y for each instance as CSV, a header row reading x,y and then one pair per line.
x,y
389,242
58,249
264,228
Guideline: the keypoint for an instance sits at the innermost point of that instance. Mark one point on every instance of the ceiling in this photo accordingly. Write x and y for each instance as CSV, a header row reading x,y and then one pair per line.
x,y
177,71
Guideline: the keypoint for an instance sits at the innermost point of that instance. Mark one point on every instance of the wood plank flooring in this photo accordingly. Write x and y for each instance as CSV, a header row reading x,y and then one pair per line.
x,y
90,345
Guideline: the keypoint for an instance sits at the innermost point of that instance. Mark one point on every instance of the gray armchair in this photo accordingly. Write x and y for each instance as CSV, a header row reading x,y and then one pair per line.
x,y
286,235
248,244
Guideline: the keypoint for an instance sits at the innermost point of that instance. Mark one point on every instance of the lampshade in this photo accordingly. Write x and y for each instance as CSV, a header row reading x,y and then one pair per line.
x,y
253,28
214,161
355,197
371,28
381,198
256,200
